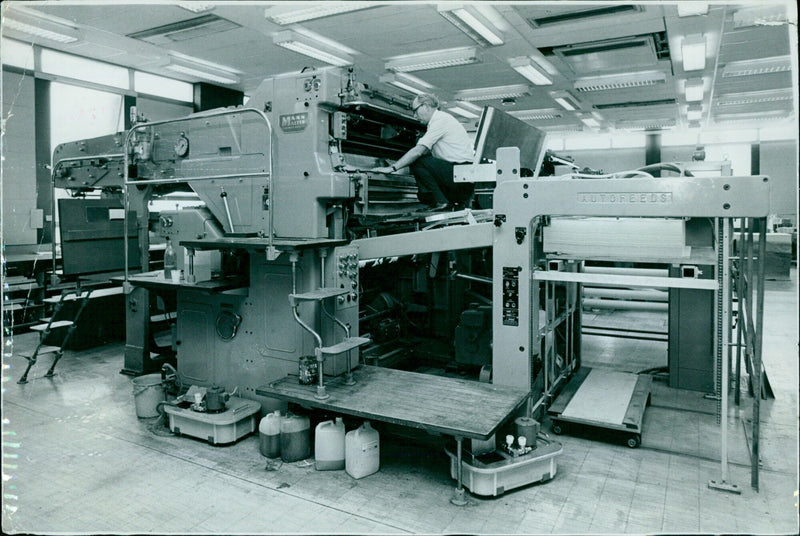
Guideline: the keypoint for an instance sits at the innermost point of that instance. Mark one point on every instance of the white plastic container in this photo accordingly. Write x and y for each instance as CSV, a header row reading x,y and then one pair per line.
x,y
329,445
269,435
362,451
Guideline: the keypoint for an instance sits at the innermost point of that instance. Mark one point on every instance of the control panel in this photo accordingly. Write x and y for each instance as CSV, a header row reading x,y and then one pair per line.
x,y
511,295
346,276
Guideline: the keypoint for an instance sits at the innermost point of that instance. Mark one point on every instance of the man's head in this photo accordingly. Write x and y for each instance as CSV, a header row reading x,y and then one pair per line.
x,y
424,105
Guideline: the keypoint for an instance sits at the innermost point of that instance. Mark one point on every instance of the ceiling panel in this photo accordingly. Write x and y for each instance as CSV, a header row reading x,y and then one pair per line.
x,y
398,28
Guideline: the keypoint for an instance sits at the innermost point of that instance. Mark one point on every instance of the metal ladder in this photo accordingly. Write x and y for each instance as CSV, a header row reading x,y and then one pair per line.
x,y
45,329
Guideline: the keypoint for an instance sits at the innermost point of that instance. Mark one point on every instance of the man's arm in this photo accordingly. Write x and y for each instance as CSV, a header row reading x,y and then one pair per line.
x,y
406,160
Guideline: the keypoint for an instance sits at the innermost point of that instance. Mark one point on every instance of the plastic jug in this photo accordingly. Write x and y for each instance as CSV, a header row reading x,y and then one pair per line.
x,y
329,445
295,437
362,451
269,434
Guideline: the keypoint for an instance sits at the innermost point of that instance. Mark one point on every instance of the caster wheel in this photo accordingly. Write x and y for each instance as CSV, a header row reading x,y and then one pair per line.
x,y
634,441
557,428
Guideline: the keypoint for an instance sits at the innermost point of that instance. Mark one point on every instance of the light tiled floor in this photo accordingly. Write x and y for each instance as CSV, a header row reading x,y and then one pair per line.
x,y
76,459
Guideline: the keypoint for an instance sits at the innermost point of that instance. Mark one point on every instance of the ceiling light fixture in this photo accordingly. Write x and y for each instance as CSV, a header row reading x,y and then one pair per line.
x,y
292,14
492,93
473,109
434,59
566,100
620,81
196,7
472,22
691,9
529,69
766,15
33,26
694,112
310,47
646,124
693,50
407,82
775,64
693,90
201,70
459,108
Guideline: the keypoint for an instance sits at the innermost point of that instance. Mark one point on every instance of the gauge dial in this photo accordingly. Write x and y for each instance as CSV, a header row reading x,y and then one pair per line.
x,y
181,147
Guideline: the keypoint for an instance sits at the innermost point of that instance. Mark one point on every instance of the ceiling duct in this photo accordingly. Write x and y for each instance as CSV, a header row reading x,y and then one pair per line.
x,y
634,104
195,28
620,81
609,55
582,15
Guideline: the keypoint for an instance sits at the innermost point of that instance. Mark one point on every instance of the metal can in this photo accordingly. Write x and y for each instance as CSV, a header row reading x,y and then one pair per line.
x,y
308,370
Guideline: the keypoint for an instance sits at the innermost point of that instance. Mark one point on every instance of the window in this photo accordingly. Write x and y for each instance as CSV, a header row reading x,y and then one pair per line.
x,y
78,68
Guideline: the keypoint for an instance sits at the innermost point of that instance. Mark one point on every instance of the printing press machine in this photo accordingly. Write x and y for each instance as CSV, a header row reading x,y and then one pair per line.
x,y
296,251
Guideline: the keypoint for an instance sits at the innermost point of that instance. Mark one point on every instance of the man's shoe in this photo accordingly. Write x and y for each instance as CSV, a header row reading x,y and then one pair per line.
x,y
440,207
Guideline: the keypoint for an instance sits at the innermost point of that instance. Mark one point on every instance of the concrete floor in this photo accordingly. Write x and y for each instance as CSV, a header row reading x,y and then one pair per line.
x,y
77,460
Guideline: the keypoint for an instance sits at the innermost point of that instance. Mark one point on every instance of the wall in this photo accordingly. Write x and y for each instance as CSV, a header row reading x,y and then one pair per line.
x,y
19,166
157,110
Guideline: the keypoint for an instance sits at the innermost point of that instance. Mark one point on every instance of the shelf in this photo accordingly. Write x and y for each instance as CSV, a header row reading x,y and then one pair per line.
x,y
345,346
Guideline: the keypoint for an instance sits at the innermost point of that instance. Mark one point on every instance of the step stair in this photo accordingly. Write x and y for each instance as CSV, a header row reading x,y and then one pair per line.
x,y
344,346
54,325
317,295
42,350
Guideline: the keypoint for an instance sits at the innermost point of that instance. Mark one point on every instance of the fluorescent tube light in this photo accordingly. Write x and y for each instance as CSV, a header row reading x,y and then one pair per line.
x,y
434,59
492,93
32,26
693,50
196,7
284,15
305,45
689,9
694,112
565,99
471,22
693,90
590,120
527,68
459,109
775,64
199,70
407,82
766,15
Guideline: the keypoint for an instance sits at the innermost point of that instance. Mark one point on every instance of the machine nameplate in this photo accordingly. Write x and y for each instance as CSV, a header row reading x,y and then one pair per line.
x,y
294,122
659,198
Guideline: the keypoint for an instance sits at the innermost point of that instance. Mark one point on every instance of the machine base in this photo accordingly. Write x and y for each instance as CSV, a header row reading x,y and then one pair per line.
x,y
497,472
237,421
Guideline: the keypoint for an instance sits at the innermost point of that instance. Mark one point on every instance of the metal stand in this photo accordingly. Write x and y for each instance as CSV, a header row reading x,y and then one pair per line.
x,y
459,496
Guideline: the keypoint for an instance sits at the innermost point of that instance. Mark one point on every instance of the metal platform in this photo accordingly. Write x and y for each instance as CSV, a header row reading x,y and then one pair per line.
x,y
451,406
604,399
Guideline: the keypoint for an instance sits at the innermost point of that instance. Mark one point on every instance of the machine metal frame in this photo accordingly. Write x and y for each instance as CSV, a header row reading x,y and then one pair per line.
x,y
520,205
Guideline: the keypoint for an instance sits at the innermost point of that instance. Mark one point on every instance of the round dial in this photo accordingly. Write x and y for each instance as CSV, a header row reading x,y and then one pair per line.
x,y
181,147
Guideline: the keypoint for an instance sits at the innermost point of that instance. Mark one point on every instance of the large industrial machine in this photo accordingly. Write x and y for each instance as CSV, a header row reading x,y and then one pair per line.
x,y
295,258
